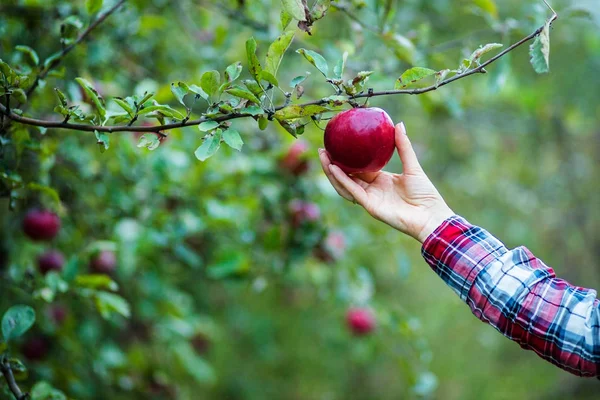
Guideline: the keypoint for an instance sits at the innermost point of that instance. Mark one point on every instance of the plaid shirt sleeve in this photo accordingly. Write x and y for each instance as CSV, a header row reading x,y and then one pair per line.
x,y
519,295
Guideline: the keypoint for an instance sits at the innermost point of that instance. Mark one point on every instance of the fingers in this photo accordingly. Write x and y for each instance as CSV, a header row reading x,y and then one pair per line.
x,y
325,163
351,186
410,163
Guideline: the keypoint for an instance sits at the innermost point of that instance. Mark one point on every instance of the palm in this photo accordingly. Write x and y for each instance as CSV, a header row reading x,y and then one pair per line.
x,y
401,200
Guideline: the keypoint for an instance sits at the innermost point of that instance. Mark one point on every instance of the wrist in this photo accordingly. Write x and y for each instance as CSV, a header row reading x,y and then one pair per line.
x,y
435,219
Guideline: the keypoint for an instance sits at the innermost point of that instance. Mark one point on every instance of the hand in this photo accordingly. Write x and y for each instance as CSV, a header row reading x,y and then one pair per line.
x,y
408,202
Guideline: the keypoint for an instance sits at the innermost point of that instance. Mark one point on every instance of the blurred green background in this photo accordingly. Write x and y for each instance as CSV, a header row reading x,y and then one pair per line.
x,y
229,296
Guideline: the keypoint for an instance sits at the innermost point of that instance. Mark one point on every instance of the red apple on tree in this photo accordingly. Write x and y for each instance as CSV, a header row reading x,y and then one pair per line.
x,y
303,211
58,313
103,262
331,248
295,160
201,343
52,260
41,225
360,140
36,348
361,321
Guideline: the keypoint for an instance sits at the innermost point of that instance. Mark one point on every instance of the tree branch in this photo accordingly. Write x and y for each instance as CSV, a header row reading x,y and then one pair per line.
x,y
44,72
10,380
125,128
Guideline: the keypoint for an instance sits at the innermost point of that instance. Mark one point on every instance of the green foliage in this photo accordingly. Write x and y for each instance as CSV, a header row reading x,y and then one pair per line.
x,y
539,51
219,291
16,321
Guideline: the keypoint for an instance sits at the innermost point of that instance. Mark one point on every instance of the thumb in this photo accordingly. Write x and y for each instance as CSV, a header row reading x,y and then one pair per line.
x,y
410,163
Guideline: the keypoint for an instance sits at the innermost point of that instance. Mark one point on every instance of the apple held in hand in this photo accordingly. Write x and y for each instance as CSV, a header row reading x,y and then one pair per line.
x,y
360,140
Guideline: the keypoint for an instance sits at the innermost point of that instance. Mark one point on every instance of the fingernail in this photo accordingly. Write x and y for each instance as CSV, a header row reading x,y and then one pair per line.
x,y
320,150
403,127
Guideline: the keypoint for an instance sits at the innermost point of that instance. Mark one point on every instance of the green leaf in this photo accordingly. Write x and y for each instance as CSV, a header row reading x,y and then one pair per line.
x,y
208,126
239,91
295,8
404,49
164,109
267,76
44,391
19,95
539,51
276,51
253,87
315,59
440,76
6,70
263,122
289,127
198,90
31,54
298,80
125,106
233,71
252,110
211,144
179,91
103,140
108,304
16,321
319,9
150,141
296,111
61,97
489,6
285,18
93,6
338,70
413,75
69,29
193,364
18,368
52,59
476,55
46,190
233,139
210,82
93,95
253,63
96,281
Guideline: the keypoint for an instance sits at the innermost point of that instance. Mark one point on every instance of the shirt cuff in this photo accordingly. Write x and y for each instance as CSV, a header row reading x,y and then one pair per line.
x,y
457,251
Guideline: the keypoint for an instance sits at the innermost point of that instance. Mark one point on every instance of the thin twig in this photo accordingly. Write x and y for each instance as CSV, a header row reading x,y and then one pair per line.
x,y
10,380
44,72
369,94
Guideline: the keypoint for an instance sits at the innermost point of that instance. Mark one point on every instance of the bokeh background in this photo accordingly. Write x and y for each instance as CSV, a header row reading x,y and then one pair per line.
x,y
232,295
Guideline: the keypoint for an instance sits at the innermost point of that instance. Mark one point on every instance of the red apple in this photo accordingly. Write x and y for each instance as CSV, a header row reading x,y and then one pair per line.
x,y
58,313
332,248
52,260
36,348
303,211
103,262
201,343
295,161
41,225
360,140
361,321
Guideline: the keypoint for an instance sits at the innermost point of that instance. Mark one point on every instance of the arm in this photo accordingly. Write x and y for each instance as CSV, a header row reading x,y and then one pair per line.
x,y
509,289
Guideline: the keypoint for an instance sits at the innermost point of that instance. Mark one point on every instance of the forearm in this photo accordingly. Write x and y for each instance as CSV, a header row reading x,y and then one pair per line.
x,y
518,295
